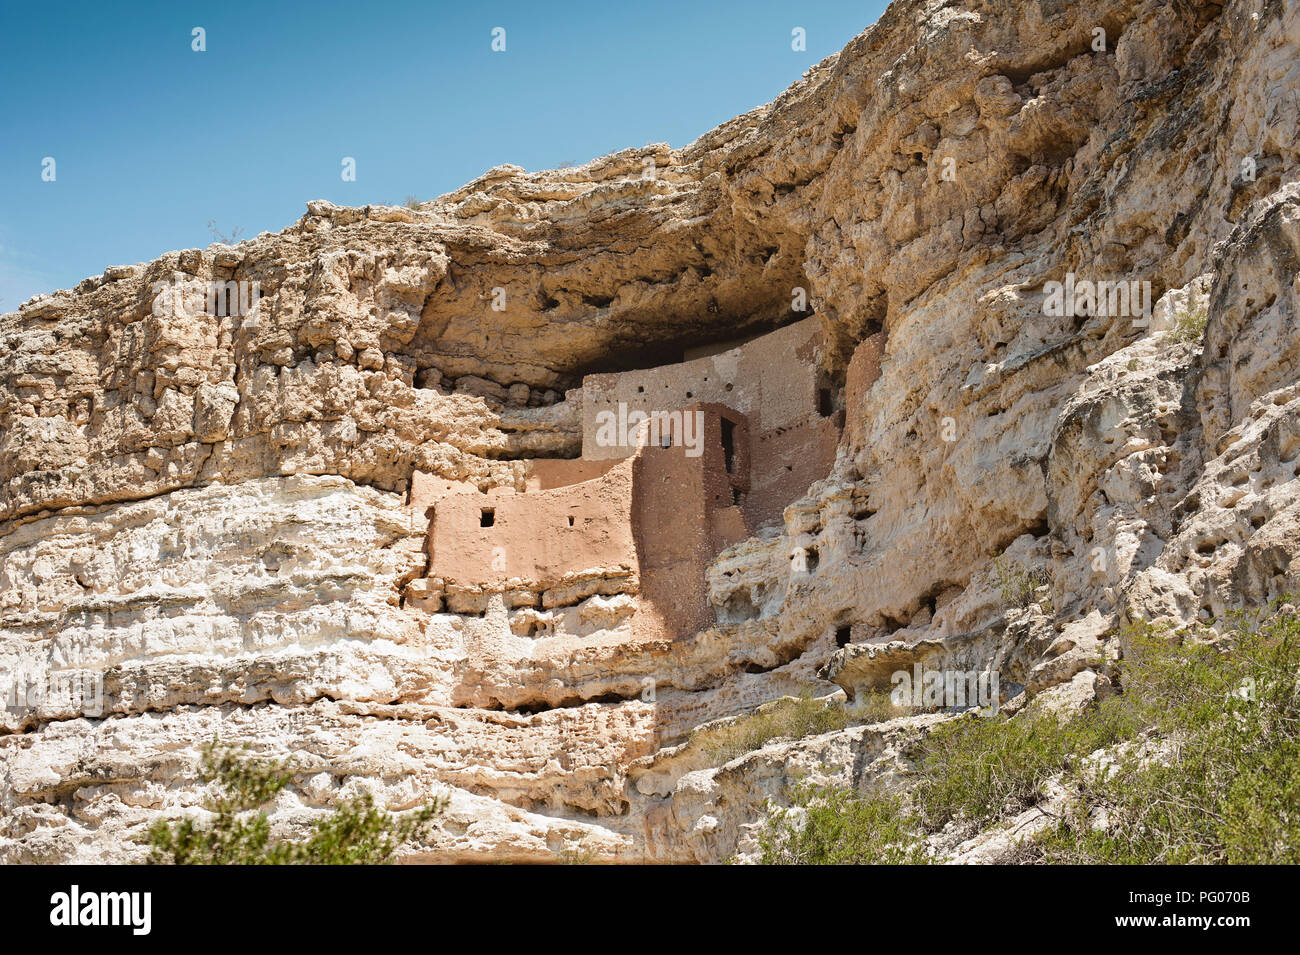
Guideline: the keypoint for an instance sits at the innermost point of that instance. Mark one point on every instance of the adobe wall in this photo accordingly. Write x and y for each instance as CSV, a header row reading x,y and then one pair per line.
x,y
786,463
662,515
684,513
540,474
428,489
864,369
543,474
771,379
535,536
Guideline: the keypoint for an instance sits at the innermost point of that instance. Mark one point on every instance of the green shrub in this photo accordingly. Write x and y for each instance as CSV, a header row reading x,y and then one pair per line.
x,y
1209,771
1224,786
879,707
831,826
790,718
977,769
1189,325
1016,585
356,833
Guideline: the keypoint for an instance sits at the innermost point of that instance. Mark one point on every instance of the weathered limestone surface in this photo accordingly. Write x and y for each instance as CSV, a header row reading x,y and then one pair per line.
x,y
210,515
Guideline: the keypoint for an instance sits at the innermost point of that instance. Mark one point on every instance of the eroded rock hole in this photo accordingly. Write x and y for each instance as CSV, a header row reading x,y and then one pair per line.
x,y
739,607
891,625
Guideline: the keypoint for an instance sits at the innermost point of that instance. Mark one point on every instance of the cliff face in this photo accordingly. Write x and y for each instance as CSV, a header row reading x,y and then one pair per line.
x,y
208,515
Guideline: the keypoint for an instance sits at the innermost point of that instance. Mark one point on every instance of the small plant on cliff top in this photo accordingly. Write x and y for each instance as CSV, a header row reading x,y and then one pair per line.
x,y
356,833
231,238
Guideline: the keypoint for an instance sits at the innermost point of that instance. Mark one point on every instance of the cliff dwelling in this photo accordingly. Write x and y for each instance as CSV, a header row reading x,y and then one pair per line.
x,y
678,462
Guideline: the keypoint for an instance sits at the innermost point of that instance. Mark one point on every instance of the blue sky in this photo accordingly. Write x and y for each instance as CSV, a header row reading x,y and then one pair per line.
x,y
151,139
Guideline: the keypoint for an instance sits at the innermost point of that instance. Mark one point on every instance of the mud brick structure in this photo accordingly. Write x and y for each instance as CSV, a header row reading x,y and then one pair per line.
x,y
650,513
774,380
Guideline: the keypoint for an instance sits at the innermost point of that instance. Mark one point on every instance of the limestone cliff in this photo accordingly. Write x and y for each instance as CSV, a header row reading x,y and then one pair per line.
x,y
210,516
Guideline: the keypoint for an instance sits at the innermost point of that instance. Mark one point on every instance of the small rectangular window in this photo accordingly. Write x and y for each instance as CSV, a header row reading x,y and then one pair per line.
x,y
487,517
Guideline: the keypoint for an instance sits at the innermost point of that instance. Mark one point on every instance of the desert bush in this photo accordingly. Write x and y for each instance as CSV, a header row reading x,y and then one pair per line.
x,y
831,826
976,769
1016,584
878,707
356,833
789,718
1223,783
1188,325
580,854
1196,761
